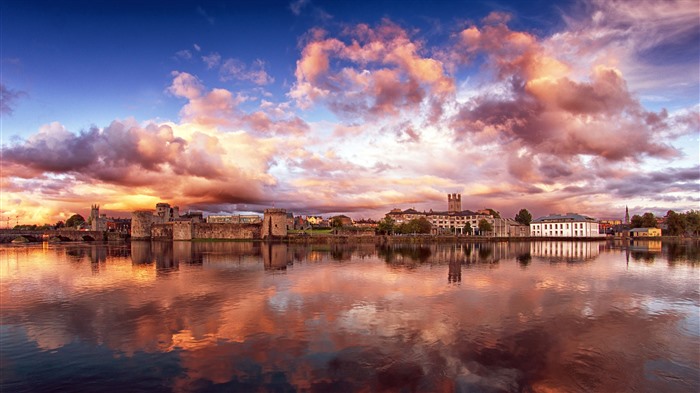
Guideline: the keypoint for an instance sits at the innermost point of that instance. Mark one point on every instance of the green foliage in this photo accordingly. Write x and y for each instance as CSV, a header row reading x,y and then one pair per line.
x,y
386,226
484,226
692,222
468,228
417,225
524,217
636,221
648,220
74,221
336,222
676,223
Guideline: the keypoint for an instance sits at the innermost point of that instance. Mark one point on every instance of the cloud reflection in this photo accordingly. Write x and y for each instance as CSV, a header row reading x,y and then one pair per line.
x,y
249,315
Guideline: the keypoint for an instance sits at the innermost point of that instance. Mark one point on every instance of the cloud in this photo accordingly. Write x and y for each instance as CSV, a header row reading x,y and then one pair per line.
x,y
205,15
378,116
236,69
184,54
377,72
671,180
215,107
654,43
187,164
8,99
550,112
212,60
298,5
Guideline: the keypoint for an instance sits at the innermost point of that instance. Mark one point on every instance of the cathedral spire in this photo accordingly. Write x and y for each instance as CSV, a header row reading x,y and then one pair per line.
x,y
627,215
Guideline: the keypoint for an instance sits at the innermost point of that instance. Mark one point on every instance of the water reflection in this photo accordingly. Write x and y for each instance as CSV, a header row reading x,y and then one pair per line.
x,y
567,251
275,256
188,316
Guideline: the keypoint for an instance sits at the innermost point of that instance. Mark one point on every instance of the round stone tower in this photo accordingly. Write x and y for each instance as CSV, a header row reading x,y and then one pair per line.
x,y
274,224
141,224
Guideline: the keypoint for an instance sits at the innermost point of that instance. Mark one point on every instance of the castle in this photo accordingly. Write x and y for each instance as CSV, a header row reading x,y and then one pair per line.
x,y
168,224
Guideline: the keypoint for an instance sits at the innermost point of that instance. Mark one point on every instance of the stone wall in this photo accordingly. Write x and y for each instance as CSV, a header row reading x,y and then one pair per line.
x,y
225,231
161,232
182,230
141,224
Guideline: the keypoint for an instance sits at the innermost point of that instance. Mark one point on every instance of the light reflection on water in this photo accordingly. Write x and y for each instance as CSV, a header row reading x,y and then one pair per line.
x,y
491,317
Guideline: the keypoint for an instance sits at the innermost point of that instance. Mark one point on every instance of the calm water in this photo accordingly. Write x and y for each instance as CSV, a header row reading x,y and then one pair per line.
x,y
530,317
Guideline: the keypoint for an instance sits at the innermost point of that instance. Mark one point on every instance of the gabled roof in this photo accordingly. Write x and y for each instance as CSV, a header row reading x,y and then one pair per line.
x,y
564,217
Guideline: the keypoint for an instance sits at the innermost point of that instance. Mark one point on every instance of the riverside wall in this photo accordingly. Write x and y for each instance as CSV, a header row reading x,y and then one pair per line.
x,y
225,231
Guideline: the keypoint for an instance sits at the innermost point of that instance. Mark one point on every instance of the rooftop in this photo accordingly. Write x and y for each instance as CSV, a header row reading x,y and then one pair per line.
x,y
564,217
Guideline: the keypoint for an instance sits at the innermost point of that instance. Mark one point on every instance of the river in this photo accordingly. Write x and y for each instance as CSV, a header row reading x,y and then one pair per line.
x,y
242,316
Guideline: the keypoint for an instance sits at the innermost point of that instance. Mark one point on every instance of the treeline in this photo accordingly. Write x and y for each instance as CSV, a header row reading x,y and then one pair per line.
x,y
72,222
418,225
677,224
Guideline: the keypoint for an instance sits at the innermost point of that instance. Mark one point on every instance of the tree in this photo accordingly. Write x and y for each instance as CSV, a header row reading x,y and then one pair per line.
x,y
524,217
59,225
336,222
648,220
421,225
692,222
484,226
675,223
386,225
74,221
636,221
416,225
468,228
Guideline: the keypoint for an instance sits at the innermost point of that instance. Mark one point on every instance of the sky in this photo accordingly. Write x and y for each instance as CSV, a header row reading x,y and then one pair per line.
x,y
350,108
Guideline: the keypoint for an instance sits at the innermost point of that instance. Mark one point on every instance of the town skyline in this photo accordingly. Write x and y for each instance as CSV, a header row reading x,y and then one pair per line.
x,y
324,108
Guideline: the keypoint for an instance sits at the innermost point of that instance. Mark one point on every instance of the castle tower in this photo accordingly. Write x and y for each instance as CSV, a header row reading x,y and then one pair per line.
x,y
163,212
274,224
454,203
95,217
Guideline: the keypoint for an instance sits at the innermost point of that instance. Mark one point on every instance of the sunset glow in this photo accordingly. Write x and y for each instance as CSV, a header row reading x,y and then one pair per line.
x,y
321,108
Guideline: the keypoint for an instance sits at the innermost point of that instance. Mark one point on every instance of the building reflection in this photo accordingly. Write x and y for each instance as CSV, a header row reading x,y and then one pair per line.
x,y
163,254
566,251
141,252
454,271
275,256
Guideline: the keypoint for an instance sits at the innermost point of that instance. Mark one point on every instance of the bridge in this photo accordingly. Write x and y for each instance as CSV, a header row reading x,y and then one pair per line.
x,y
8,235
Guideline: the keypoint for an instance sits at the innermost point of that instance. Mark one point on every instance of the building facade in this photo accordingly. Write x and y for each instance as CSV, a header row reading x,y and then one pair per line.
x,y
645,232
569,225
461,222
234,219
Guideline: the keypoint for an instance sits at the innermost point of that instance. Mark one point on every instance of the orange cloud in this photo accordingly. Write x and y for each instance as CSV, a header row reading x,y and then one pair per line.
x,y
383,72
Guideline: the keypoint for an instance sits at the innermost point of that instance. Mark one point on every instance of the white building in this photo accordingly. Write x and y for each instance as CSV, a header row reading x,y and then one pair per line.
x,y
569,225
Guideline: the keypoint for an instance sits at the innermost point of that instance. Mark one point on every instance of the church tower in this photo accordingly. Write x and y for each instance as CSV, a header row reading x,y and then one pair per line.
x,y
454,203
627,215
95,216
